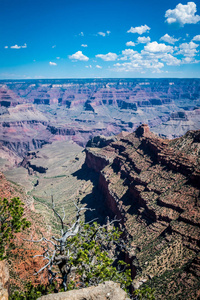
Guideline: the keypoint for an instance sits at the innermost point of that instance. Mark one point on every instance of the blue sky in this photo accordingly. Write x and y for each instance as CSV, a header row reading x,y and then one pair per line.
x,y
90,38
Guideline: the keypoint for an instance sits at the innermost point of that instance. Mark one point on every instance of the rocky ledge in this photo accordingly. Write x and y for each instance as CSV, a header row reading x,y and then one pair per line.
x,y
108,290
153,186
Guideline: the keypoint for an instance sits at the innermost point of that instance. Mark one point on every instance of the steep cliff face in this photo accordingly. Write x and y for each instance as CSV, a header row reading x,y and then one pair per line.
x,y
22,129
153,185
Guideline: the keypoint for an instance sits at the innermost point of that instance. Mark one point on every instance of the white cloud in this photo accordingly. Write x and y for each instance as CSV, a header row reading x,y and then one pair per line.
x,y
52,63
189,60
170,60
90,66
18,47
15,47
98,67
143,39
139,65
107,57
54,46
183,14
140,62
168,39
79,56
155,56
140,30
84,45
81,33
6,47
57,57
128,54
196,38
155,47
188,49
103,33
130,44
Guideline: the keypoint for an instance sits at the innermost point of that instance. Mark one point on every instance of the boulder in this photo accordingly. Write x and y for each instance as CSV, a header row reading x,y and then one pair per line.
x,y
4,280
106,291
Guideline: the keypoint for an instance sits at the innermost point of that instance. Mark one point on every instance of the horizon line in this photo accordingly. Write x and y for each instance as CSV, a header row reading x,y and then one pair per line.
x,y
99,78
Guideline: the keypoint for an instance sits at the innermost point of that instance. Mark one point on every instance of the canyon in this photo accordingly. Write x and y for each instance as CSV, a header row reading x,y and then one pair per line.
x,y
85,141
36,112
152,186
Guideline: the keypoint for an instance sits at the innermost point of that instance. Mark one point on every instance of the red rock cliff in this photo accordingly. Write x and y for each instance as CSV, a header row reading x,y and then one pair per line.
x,y
153,185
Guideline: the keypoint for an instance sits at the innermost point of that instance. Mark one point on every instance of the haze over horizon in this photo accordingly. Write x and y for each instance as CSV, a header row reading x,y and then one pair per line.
x,y
93,39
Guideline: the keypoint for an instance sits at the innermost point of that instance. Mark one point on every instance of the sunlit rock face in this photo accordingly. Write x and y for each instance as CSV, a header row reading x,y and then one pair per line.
x,y
107,290
4,280
152,185
36,112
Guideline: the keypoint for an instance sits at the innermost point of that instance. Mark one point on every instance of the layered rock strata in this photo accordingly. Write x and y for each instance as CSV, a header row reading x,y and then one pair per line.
x,y
153,186
37,112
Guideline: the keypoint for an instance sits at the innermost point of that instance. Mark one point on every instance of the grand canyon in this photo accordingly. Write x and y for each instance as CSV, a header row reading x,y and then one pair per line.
x,y
33,113
126,147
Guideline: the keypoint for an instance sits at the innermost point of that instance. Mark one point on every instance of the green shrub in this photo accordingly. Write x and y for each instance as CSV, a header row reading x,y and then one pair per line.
x,y
11,222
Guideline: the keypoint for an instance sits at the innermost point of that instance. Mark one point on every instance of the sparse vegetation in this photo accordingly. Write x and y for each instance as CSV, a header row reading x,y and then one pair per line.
x,y
31,292
11,222
84,255
144,293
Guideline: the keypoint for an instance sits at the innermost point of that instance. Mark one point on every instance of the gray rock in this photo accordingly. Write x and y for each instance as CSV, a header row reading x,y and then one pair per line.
x,y
4,280
106,291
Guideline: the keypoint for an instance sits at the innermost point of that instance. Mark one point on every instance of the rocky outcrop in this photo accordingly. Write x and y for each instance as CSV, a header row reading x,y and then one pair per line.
x,y
23,129
100,141
108,290
21,148
152,185
97,161
61,131
4,280
32,168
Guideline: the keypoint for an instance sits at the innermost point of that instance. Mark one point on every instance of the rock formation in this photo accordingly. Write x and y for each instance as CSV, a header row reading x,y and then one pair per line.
x,y
33,113
26,163
4,280
153,186
108,290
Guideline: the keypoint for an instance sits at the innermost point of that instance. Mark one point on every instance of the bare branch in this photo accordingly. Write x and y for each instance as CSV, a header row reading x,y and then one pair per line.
x,y
57,214
39,241
63,215
95,219
42,268
57,240
41,256
76,205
